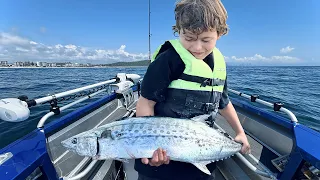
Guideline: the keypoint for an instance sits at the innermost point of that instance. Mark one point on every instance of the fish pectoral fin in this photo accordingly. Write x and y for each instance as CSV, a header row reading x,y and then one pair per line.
x,y
201,118
202,167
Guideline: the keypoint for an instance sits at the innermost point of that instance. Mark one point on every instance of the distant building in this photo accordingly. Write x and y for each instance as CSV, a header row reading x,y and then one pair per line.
x,y
39,64
18,64
60,64
3,63
27,63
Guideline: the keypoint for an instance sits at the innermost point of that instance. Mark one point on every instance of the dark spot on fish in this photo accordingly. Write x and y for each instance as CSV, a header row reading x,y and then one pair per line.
x,y
175,136
168,132
107,133
74,141
144,132
161,131
136,131
186,133
174,130
131,126
155,131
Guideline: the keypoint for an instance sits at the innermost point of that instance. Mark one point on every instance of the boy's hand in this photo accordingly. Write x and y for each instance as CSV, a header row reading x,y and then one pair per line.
x,y
159,157
242,138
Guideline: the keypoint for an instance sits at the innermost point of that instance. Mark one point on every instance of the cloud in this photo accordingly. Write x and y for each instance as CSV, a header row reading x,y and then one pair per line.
x,y
32,42
8,39
15,48
21,49
286,49
259,59
18,48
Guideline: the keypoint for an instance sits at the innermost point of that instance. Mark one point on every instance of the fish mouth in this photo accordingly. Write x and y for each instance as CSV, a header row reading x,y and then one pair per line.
x,y
66,143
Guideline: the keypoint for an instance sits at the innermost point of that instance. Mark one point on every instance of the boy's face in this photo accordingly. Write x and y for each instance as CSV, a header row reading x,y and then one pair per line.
x,y
200,45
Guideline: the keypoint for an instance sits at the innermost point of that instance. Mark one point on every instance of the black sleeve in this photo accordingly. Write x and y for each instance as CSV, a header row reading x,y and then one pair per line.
x,y
165,68
224,101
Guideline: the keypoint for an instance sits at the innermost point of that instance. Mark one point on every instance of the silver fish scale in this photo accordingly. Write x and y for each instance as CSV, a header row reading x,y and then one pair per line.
x,y
162,127
190,149
183,140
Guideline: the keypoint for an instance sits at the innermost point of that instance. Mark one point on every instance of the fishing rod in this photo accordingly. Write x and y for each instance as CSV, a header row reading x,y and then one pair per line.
x,y
149,17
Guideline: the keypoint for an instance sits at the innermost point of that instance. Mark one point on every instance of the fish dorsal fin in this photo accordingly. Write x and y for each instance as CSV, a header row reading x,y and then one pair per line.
x,y
201,118
202,166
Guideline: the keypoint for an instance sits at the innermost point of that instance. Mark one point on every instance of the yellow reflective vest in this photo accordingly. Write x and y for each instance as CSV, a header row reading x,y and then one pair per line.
x,y
197,75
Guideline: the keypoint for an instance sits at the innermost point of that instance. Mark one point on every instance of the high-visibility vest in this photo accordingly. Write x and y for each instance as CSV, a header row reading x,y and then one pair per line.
x,y
197,75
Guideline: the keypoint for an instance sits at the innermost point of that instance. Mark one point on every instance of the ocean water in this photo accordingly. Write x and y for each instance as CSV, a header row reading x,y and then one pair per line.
x,y
297,87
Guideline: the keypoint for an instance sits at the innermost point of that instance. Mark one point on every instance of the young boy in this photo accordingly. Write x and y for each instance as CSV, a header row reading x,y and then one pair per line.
x,y
187,77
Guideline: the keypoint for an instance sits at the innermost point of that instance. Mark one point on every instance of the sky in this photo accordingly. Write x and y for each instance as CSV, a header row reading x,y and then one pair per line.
x,y
269,32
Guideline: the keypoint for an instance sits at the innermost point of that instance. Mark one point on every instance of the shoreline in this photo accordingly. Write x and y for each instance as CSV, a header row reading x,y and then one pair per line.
x,y
71,67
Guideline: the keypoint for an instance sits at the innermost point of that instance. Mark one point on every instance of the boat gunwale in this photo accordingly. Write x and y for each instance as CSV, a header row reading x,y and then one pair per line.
x,y
273,117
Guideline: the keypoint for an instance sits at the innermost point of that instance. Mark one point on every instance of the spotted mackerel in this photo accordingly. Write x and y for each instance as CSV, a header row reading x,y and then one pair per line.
x,y
185,140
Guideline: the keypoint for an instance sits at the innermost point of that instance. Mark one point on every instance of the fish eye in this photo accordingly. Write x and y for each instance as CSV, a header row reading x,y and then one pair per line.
x,y
74,141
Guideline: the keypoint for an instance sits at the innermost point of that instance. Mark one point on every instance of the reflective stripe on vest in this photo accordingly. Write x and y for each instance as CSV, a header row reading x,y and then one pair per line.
x,y
198,69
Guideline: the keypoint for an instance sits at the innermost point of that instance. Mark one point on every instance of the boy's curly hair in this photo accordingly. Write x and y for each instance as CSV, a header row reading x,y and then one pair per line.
x,y
198,16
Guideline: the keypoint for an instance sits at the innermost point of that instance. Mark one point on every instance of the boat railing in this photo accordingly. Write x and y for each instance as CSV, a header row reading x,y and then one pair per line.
x,y
51,113
73,91
102,88
277,106
265,172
